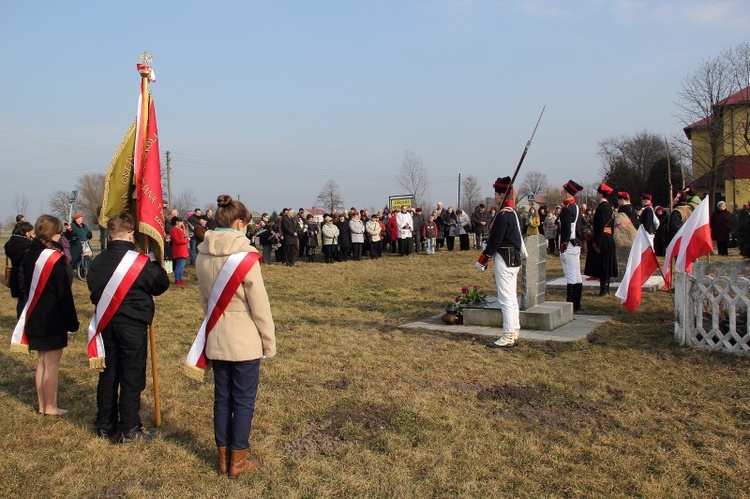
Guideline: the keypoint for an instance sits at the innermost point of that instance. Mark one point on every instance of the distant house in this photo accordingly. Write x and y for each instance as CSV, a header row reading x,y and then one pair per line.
x,y
733,171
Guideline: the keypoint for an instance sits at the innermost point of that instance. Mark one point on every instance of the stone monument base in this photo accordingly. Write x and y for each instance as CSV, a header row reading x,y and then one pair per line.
x,y
545,317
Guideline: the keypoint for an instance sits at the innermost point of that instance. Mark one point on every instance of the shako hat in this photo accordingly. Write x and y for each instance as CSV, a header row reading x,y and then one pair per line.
x,y
501,185
572,187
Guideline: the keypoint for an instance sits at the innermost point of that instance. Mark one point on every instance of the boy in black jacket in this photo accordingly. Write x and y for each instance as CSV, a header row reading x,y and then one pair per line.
x,y
125,336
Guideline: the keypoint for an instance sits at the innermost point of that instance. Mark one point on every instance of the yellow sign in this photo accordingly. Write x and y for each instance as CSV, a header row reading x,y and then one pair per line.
x,y
396,202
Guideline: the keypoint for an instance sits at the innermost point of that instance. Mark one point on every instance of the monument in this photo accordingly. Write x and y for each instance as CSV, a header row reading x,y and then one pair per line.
x,y
536,312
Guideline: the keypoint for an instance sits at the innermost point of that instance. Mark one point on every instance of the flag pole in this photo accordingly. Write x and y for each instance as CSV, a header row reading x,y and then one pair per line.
x,y
144,69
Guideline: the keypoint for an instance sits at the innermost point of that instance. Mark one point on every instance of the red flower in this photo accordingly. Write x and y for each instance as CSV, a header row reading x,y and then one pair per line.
x,y
458,298
465,289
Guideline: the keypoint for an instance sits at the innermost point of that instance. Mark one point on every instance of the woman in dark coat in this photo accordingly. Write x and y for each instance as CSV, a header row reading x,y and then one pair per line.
x,y
601,260
54,314
720,224
312,237
345,238
15,248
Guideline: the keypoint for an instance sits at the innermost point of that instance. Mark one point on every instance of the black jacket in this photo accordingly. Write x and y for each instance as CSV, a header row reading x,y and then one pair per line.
x,y
15,248
570,213
504,234
138,306
55,312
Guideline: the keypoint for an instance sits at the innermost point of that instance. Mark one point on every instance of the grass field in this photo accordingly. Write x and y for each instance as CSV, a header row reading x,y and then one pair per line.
x,y
355,406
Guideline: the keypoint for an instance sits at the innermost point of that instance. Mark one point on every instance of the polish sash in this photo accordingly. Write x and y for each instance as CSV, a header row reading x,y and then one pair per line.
x,y
230,278
114,293
42,270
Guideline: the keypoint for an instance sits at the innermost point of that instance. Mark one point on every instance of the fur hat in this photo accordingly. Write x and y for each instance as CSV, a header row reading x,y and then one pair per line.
x,y
77,216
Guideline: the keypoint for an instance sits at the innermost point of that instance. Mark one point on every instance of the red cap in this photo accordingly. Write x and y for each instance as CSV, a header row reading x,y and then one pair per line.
x,y
623,195
604,189
646,196
572,187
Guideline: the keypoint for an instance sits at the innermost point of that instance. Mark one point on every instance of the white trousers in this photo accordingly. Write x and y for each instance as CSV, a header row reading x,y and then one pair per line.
x,y
571,264
506,279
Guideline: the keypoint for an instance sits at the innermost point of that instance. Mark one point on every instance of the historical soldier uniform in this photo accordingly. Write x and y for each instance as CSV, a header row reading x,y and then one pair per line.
x,y
505,246
569,245
648,217
601,260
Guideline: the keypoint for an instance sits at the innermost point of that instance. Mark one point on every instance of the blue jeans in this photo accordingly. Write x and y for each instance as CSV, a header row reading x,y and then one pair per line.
x,y
193,249
235,389
179,267
430,245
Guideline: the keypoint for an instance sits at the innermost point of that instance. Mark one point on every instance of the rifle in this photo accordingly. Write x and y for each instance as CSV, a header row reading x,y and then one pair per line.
x,y
523,155
481,263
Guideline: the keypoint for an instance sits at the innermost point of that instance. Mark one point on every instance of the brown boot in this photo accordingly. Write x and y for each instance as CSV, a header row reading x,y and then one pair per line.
x,y
223,460
241,464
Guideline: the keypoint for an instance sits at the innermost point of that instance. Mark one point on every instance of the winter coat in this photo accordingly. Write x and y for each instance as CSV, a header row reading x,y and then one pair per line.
x,y
720,225
550,229
55,312
330,234
245,331
357,229
179,243
532,224
373,230
137,308
15,248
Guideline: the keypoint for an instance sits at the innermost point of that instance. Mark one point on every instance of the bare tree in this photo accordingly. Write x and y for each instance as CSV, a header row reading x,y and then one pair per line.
x,y
533,183
90,196
185,201
58,204
21,204
471,194
413,177
330,196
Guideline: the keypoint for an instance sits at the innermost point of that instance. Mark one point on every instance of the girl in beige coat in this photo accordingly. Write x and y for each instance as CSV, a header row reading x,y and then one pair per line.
x,y
242,336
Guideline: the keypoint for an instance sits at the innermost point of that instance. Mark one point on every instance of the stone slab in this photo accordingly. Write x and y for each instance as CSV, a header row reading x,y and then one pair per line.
x,y
654,283
577,329
546,316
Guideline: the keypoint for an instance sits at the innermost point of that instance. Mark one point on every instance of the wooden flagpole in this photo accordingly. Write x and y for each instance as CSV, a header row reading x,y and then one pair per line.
x,y
144,68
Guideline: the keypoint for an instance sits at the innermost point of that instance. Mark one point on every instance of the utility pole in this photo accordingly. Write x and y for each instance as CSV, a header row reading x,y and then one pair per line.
x,y
169,180
459,192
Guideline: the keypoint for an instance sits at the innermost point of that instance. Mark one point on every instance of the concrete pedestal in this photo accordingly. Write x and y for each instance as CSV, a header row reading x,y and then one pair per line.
x,y
544,317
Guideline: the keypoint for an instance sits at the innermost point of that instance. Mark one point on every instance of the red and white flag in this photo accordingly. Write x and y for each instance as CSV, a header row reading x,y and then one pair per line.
x,y
692,241
641,264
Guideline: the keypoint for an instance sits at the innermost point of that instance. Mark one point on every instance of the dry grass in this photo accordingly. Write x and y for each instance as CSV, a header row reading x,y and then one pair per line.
x,y
355,406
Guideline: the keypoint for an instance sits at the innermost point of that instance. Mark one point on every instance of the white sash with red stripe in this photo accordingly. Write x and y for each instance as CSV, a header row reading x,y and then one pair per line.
x,y
42,270
227,282
117,287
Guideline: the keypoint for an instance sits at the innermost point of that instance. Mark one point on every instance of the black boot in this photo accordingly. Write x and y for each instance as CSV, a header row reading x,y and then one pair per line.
x,y
577,292
603,287
608,281
569,293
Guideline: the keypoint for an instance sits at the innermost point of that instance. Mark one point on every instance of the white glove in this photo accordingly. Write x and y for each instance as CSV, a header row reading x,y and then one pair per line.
x,y
484,245
479,266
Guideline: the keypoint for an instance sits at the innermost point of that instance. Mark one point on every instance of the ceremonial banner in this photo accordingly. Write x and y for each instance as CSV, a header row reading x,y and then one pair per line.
x,y
118,183
149,201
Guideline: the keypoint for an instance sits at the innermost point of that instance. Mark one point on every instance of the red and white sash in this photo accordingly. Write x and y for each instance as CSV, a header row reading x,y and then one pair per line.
x,y
117,287
42,270
227,282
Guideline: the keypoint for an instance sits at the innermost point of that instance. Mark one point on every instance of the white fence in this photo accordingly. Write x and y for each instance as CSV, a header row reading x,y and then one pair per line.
x,y
712,307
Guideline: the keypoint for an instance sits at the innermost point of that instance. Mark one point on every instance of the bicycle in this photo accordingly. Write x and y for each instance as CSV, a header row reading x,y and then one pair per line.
x,y
82,265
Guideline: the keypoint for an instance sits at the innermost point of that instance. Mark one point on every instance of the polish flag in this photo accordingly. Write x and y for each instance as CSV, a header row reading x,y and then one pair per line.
x,y
641,264
696,240
692,241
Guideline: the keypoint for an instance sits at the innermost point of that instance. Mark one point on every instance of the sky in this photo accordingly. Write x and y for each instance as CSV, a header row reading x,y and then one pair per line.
x,y
269,100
